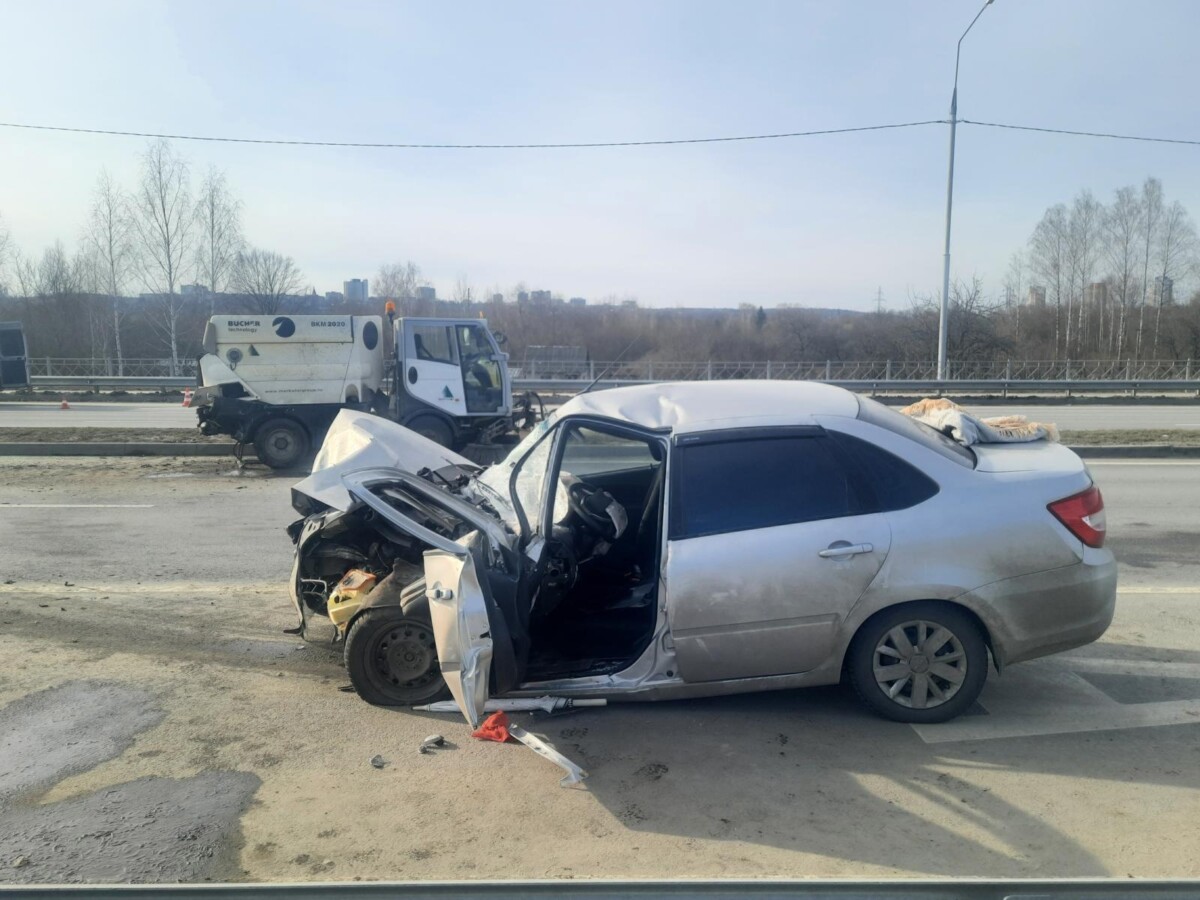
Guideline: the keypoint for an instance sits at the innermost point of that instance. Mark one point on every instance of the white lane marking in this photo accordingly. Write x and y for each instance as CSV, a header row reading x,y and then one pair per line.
x,y
1047,699
1133,667
1065,721
76,506
1158,590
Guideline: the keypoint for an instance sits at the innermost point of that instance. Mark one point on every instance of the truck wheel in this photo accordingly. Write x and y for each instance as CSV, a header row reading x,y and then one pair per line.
x,y
280,443
391,656
434,429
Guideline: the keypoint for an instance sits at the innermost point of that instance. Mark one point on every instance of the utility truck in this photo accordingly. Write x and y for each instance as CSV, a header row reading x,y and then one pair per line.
x,y
278,382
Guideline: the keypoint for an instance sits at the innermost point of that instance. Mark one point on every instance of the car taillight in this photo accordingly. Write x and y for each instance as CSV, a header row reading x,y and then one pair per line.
x,y
1083,514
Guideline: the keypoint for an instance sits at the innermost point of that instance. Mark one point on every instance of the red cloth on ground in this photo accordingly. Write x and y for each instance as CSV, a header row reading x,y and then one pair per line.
x,y
494,728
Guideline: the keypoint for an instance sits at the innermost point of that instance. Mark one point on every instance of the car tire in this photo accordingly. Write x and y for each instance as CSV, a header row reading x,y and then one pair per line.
x,y
280,443
391,656
891,684
433,428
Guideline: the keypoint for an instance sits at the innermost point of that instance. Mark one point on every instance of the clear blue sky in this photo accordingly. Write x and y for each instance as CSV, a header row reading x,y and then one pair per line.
x,y
817,221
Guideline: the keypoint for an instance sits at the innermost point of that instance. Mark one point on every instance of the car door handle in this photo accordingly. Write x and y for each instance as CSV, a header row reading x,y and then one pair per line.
x,y
841,548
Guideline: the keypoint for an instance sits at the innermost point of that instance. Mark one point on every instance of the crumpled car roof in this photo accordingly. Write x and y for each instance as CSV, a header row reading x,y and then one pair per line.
x,y
688,406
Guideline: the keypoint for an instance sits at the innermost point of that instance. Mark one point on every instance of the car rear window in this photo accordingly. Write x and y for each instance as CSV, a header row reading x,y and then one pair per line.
x,y
890,482
741,484
876,413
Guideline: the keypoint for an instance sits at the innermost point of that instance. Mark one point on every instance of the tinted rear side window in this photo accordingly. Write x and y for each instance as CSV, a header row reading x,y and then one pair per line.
x,y
735,485
889,482
877,414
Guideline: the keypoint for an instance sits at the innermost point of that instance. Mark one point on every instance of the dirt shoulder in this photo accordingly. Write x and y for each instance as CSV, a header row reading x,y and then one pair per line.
x,y
108,436
1175,437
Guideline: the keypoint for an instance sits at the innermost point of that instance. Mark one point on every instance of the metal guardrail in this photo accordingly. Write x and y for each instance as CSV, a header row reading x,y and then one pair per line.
x,y
815,889
866,386
862,370
111,382
706,370
925,387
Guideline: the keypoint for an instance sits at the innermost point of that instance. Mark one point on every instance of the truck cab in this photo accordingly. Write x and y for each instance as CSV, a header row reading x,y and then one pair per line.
x,y
451,379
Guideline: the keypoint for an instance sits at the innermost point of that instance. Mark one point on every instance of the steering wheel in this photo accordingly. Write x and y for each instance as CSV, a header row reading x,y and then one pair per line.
x,y
590,504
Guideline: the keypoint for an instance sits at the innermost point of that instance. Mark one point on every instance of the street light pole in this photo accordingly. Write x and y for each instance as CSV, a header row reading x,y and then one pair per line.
x,y
944,314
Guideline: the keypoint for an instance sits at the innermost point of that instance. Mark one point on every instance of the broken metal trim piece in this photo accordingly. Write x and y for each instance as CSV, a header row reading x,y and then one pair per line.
x,y
574,776
518,704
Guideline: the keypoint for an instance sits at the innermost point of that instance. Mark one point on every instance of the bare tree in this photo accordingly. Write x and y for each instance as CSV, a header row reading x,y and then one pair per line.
x,y
1048,258
1122,230
108,235
25,274
463,292
5,244
266,279
1152,210
399,282
164,225
56,276
1175,253
219,231
1083,248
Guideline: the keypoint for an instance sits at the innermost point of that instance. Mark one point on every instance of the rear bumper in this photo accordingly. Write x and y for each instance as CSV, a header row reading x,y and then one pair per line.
x,y
1048,612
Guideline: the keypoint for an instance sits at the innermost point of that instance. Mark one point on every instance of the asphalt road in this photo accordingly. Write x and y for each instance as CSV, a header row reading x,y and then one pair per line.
x,y
169,415
146,672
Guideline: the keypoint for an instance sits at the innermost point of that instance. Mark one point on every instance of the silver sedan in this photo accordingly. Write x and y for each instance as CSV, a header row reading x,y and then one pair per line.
x,y
696,539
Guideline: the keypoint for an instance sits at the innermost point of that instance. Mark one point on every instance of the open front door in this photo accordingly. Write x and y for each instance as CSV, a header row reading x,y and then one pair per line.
x,y
461,628
473,581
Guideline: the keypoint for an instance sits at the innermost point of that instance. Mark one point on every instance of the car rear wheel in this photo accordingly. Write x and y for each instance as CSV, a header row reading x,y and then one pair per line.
x,y
921,662
280,443
391,656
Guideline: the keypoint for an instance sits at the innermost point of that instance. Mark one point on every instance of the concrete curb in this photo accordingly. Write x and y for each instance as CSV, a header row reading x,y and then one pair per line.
x,y
113,449
1114,451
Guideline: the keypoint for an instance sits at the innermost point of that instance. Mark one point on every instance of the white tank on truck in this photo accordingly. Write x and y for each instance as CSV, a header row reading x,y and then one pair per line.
x,y
277,382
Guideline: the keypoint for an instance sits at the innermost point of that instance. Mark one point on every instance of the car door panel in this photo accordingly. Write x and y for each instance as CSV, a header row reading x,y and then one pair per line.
x,y
765,601
461,628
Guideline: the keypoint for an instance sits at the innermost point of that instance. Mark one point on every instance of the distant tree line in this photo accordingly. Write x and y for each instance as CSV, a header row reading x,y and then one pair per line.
x,y
1090,284
151,238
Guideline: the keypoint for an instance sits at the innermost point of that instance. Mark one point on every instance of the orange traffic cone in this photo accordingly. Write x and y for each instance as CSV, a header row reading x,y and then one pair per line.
x,y
64,404
187,397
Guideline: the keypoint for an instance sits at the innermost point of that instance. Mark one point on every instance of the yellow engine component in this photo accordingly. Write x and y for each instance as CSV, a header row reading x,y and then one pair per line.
x,y
348,596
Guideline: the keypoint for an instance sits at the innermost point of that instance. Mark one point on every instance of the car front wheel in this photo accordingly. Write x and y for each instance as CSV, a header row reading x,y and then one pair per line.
x,y
391,656
921,662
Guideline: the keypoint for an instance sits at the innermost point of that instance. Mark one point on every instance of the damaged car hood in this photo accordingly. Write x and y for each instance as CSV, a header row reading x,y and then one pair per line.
x,y
359,440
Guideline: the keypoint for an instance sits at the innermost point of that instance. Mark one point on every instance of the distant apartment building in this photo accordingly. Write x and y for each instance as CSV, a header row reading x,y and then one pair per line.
x,y
1164,291
356,290
497,298
335,297
194,290
523,296
540,297
1036,296
577,301
427,293
1096,293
